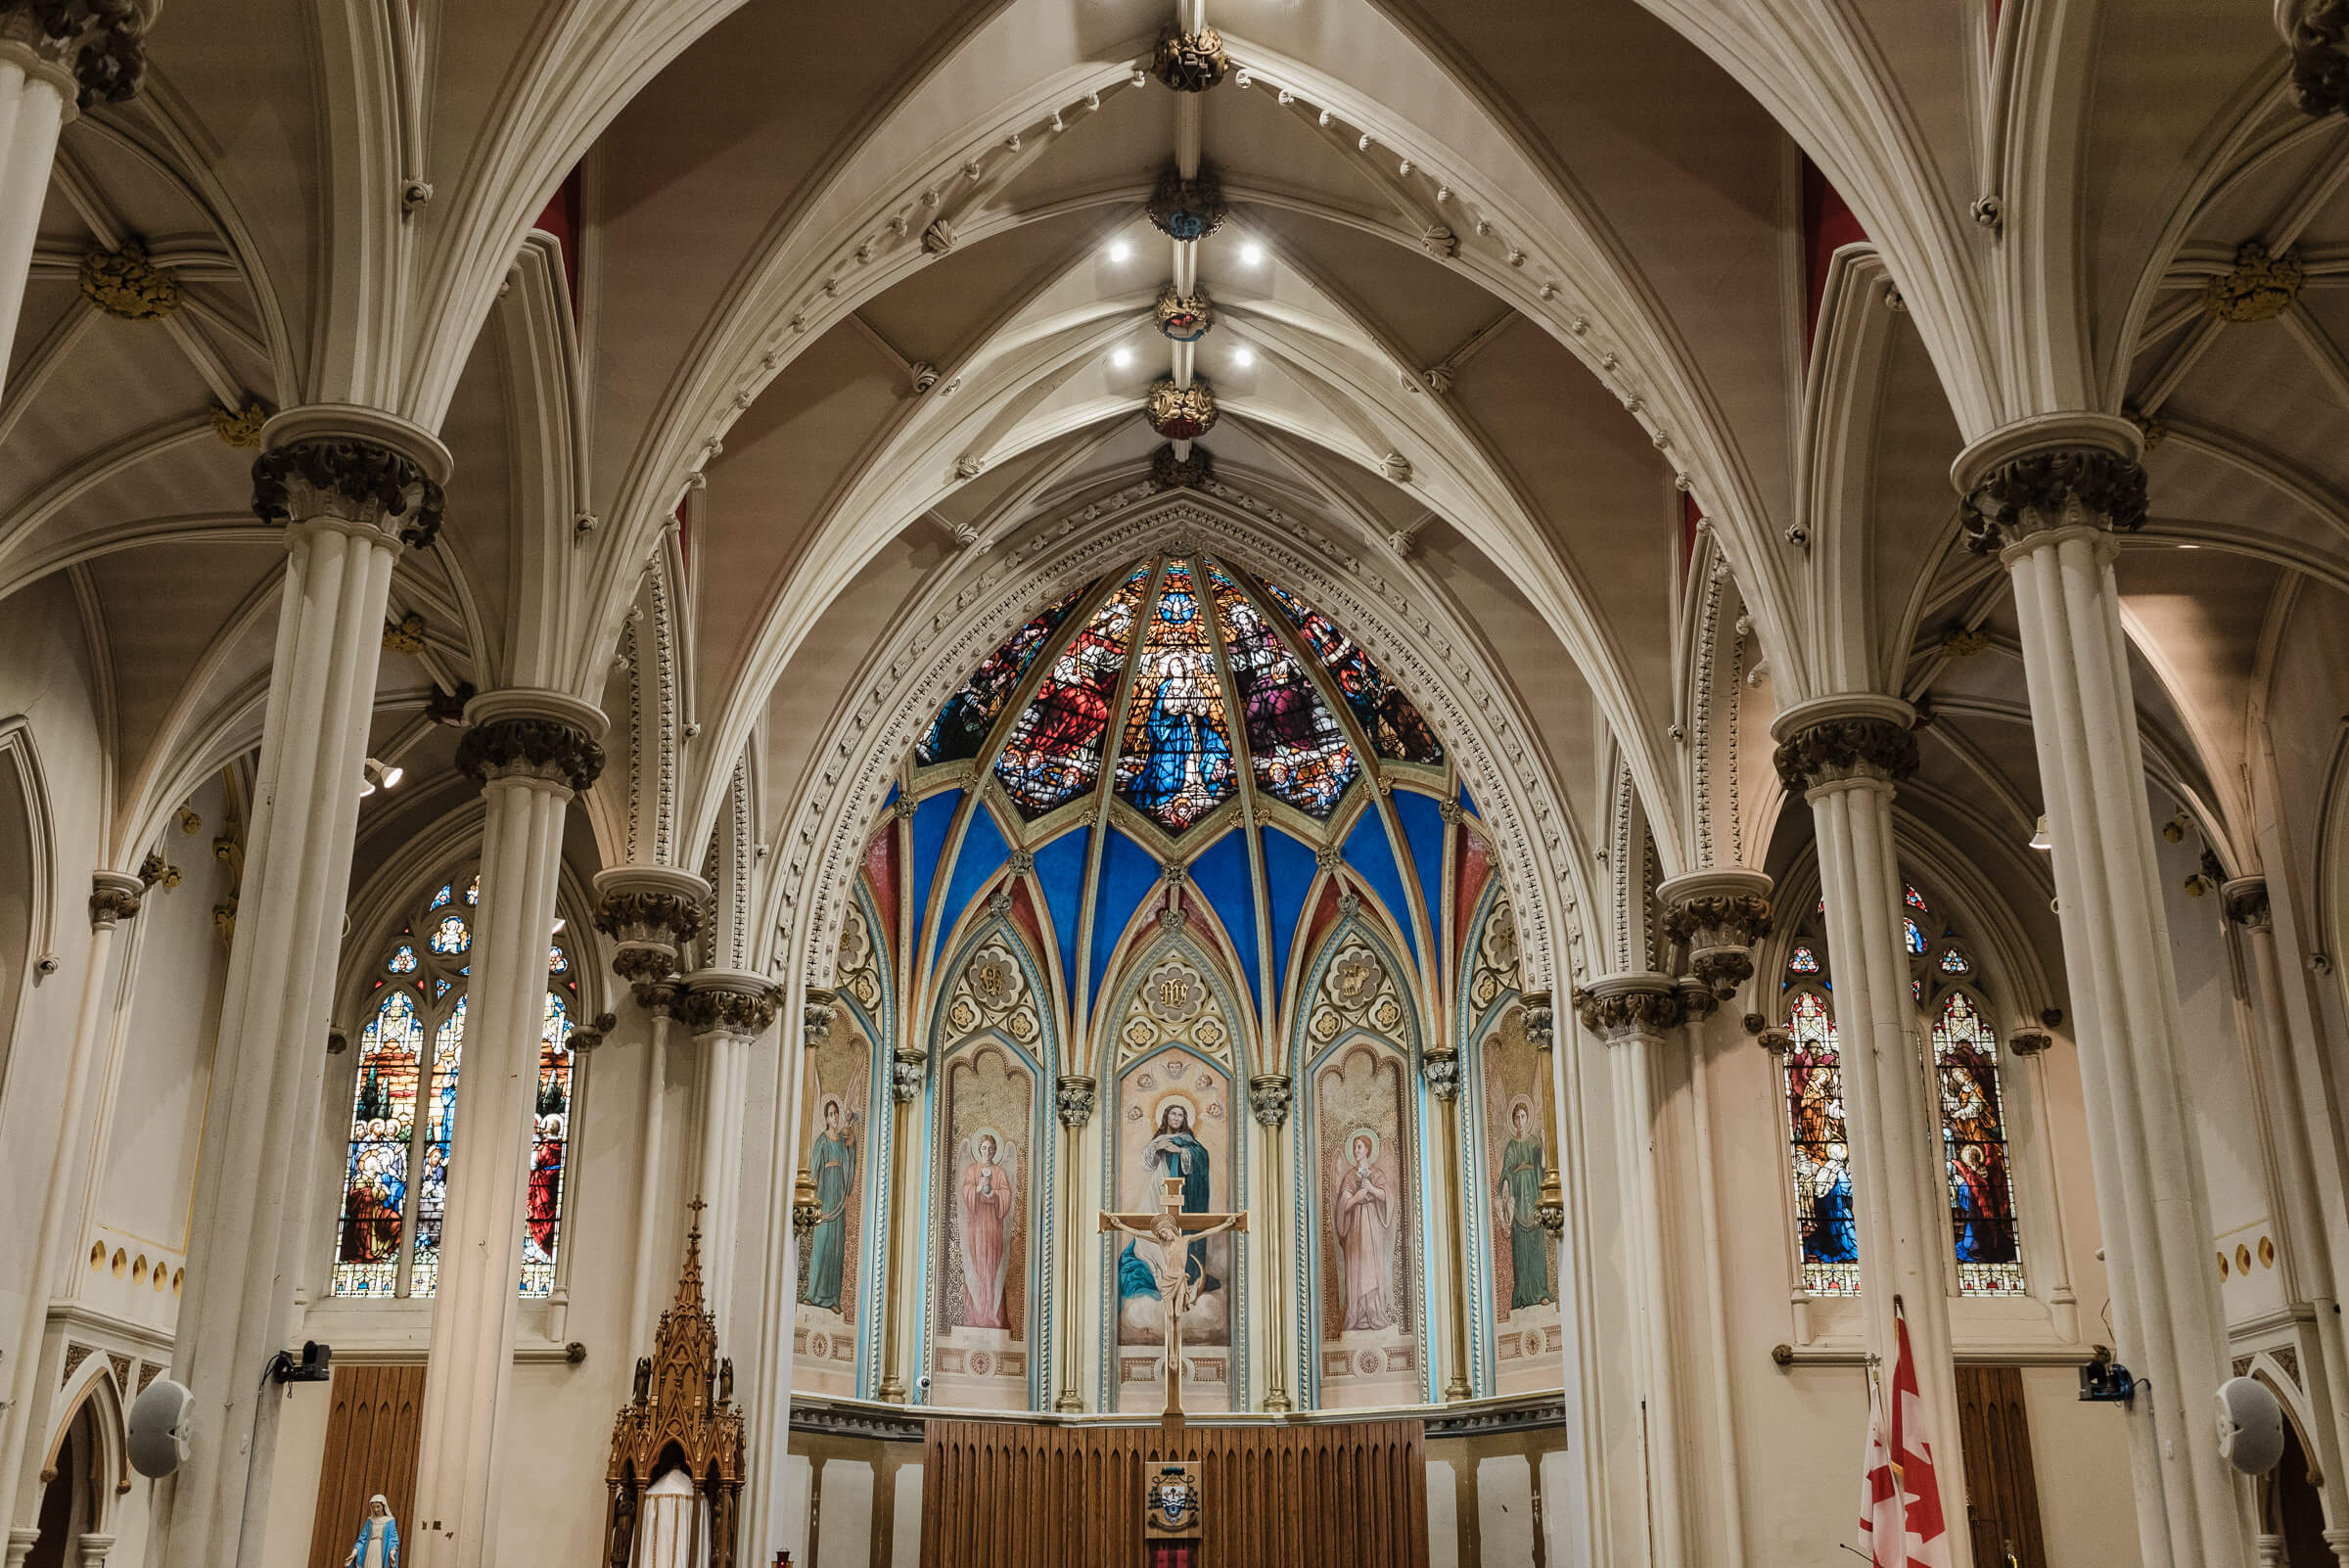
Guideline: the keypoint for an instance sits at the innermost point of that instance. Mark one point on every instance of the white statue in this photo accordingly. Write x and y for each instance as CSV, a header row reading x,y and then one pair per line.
x,y
377,1545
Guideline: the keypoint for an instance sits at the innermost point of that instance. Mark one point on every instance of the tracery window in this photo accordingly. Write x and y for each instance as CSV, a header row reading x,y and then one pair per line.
x,y
1825,1228
405,1107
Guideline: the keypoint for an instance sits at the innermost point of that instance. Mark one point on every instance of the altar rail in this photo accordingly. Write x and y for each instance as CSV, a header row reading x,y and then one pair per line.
x,y
1329,1494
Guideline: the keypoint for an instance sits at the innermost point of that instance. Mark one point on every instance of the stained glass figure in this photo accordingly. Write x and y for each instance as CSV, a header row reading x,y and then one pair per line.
x,y
1821,1151
1914,937
473,889
542,1202
1973,1140
1804,961
375,1182
439,1127
450,935
1296,746
1054,751
963,727
447,892
1397,731
1175,762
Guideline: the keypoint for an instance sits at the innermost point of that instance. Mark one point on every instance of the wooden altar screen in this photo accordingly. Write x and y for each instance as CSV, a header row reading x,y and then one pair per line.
x,y
1320,1494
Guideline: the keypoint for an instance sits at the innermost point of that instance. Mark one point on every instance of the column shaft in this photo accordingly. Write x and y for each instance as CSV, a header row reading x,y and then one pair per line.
x,y
1270,1095
728,1011
647,1222
36,99
476,1303
2165,1306
906,1085
1073,1097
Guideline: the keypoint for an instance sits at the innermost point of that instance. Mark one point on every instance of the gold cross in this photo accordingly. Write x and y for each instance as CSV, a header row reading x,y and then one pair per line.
x,y
1172,1230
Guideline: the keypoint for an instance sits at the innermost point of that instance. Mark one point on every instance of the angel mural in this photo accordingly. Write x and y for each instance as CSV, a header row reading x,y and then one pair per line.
x,y
833,1163
1517,1211
988,1190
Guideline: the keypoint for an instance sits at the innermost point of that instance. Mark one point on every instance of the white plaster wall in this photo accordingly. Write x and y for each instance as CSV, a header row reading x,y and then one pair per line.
x,y
1504,1511
905,1539
844,1533
1442,1516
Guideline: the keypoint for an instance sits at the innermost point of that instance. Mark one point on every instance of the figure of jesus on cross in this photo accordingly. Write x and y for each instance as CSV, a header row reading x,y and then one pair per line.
x,y
1172,1232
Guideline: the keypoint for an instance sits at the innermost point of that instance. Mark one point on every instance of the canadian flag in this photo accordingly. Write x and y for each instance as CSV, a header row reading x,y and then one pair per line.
x,y
1900,1524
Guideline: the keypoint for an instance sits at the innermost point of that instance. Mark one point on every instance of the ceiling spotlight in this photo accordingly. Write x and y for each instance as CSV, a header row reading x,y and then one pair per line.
x,y
1243,357
1119,250
2038,834
388,776
559,923
1252,253
1122,358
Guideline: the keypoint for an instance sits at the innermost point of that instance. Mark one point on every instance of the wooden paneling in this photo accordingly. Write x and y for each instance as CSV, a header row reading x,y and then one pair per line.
x,y
371,1437
1334,1496
2003,1509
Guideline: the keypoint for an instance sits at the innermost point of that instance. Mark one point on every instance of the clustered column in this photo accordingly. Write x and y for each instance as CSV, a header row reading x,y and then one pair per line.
x,y
1845,756
1440,1071
352,486
653,913
113,899
529,752
908,1070
1632,1015
1073,1100
57,58
2046,497
1268,1099
726,1010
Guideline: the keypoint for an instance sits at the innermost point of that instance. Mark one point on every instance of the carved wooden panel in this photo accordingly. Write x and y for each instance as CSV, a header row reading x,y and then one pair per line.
x,y
2003,1509
371,1434
1334,1496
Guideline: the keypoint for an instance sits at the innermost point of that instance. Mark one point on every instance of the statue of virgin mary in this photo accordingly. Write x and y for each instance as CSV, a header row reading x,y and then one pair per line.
x,y
377,1545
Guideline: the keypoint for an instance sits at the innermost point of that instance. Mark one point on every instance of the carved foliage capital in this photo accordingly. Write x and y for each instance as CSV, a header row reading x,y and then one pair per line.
x,y
1072,1098
1540,1020
1617,1016
906,1075
817,1012
2317,31
724,1010
114,898
541,747
1270,1095
350,478
102,42
1442,1070
2247,901
2050,490
1720,930
1846,747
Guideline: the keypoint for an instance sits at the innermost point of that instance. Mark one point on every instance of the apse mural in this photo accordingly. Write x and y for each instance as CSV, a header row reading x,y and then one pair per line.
x,y
838,1137
1175,1119
988,1186
1510,1144
1362,1236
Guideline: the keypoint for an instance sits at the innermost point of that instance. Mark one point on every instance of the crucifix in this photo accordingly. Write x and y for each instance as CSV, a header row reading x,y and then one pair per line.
x,y
1173,1231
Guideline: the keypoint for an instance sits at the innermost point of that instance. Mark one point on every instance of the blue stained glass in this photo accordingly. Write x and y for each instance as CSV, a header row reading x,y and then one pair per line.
x,y
1054,751
1396,729
439,1127
1821,1151
963,727
1915,938
382,1116
556,964
1175,762
403,961
450,935
447,893
1804,961
1296,746
1953,962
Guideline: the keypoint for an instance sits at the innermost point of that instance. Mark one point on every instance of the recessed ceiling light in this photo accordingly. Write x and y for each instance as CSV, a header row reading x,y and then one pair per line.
x,y
1119,250
1243,357
2189,547
1121,358
1252,253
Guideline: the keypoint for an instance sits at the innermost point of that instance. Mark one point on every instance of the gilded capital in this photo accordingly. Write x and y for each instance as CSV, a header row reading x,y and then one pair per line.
x,y
1181,413
1072,1098
353,465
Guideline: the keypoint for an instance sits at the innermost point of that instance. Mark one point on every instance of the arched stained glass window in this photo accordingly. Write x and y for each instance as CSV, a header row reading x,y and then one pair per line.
x,y
1295,743
963,727
1176,763
404,1108
1054,751
1827,1229
1397,731
1973,1136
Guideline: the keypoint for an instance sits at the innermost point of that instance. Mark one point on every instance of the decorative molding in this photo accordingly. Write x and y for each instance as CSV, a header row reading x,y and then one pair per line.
x,y
1072,1098
2029,1042
2259,287
2317,31
1848,747
350,478
1619,1010
404,635
2062,488
124,284
240,427
544,748
1183,317
1269,1097
724,1001
1181,413
1170,472
1191,62
1187,209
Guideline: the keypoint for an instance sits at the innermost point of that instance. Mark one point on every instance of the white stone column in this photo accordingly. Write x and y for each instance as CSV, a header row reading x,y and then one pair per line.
x,y
1074,1096
652,912
94,1548
1844,755
354,485
1632,1015
1269,1097
113,899
2047,495
726,1010
530,751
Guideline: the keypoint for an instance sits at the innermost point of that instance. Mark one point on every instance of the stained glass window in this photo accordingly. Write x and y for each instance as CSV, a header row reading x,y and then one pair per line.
x,y
1820,1150
542,1203
375,1177
1396,729
1973,1140
1175,762
1054,751
1804,961
1914,937
404,1109
1953,962
1914,899
963,727
1296,746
